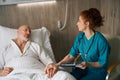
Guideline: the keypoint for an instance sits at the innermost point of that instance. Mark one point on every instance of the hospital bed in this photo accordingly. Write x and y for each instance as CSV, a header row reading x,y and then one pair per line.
x,y
40,36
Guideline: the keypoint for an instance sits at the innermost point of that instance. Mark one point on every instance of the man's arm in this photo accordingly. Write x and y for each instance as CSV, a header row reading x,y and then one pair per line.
x,y
44,56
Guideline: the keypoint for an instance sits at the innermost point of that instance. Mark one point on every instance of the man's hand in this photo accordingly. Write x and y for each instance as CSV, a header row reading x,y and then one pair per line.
x,y
51,69
6,71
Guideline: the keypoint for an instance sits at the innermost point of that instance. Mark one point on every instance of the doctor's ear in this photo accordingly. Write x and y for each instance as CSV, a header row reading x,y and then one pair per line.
x,y
87,23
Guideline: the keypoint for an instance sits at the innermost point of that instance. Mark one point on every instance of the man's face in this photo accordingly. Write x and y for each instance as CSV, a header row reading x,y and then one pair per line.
x,y
24,33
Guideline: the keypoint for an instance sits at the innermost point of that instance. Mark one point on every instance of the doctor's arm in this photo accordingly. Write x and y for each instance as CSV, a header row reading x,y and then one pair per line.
x,y
83,65
67,59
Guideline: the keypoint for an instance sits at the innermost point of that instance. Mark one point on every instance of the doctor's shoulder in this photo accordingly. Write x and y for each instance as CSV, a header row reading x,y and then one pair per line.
x,y
79,36
101,37
102,40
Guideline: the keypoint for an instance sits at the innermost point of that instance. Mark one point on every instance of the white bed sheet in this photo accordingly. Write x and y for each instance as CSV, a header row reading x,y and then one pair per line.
x,y
36,74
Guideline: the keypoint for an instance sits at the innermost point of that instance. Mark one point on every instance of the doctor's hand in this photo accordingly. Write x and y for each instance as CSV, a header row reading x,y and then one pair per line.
x,y
83,65
51,69
6,71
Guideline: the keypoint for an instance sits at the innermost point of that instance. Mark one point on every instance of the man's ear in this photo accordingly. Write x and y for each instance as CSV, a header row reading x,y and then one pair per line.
x,y
17,31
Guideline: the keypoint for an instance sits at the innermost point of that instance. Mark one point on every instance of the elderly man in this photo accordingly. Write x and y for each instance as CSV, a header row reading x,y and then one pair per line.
x,y
26,60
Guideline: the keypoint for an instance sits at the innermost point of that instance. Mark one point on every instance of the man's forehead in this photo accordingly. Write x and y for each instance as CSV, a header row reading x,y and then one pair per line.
x,y
24,27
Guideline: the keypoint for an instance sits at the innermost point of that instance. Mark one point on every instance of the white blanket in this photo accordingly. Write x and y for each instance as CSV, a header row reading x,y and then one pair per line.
x,y
36,74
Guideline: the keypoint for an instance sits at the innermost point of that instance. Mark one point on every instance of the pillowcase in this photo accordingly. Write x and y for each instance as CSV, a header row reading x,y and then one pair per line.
x,y
40,36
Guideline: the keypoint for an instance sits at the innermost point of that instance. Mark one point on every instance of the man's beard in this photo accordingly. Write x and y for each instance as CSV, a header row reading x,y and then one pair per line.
x,y
24,38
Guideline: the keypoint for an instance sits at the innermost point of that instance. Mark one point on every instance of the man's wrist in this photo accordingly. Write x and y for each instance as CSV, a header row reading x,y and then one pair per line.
x,y
1,72
50,64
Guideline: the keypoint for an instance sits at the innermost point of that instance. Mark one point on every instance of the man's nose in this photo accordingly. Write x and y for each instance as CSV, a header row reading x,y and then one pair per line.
x,y
28,32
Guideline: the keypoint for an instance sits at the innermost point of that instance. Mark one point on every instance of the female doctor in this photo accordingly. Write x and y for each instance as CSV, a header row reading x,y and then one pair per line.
x,y
91,45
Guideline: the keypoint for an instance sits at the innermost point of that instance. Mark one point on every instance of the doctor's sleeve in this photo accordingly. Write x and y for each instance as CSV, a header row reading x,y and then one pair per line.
x,y
74,51
104,51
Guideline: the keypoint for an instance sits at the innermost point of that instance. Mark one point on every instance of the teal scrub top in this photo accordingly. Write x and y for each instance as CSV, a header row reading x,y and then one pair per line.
x,y
96,49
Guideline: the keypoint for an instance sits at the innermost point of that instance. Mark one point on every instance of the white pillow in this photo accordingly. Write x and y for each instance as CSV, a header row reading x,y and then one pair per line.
x,y
40,36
